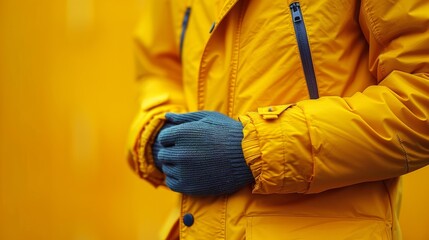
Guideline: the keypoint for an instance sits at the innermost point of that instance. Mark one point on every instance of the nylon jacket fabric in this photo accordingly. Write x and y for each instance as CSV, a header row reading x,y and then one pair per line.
x,y
325,168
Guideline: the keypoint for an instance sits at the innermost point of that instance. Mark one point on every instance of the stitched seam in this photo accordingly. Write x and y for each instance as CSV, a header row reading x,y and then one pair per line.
x,y
222,14
401,143
284,156
313,154
225,10
373,25
223,220
376,30
235,61
288,215
259,173
203,63
182,212
201,80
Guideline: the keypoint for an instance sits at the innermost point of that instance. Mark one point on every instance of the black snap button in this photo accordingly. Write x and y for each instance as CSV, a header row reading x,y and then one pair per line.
x,y
188,219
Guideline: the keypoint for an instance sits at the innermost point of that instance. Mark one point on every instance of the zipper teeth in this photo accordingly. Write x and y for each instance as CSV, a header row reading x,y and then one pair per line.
x,y
304,50
184,27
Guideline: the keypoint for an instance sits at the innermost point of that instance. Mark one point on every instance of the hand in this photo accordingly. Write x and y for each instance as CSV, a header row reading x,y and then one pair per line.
x,y
156,147
201,154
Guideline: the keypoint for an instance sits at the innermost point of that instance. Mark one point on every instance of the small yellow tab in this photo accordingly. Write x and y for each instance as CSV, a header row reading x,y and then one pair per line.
x,y
270,117
273,112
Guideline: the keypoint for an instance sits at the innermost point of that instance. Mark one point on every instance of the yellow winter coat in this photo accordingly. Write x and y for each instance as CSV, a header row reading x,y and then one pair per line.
x,y
333,97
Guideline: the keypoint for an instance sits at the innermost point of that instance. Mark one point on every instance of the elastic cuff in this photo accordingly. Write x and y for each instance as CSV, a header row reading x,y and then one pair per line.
x,y
150,124
147,167
251,147
278,150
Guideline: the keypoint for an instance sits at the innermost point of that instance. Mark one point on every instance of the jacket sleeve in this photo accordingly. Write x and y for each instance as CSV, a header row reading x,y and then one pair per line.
x,y
159,78
380,133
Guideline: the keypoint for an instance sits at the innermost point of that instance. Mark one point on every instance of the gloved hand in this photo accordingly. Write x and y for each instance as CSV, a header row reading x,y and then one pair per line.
x,y
201,154
156,146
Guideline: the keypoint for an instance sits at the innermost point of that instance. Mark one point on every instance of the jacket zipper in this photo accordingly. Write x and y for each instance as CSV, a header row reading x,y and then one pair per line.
x,y
184,27
304,50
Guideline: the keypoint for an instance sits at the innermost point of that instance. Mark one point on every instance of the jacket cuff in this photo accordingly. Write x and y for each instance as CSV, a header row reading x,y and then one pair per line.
x,y
251,148
276,146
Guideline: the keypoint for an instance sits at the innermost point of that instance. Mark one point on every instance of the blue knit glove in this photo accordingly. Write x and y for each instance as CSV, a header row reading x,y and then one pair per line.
x,y
156,147
202,155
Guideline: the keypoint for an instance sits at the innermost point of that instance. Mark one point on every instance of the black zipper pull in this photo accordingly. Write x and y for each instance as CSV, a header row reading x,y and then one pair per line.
x,y
296,14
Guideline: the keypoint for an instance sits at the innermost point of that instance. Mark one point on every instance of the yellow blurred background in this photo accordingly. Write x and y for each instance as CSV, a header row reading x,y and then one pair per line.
x,y
67,98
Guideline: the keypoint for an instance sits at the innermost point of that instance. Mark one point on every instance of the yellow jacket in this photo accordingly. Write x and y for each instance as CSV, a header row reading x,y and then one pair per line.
x,y
333,97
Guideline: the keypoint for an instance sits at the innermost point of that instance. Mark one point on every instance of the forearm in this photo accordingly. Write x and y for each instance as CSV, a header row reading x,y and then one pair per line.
x,y
334,142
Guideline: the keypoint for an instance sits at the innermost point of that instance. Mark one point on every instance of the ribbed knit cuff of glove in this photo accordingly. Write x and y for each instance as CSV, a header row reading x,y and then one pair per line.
x,y
201,154
242,173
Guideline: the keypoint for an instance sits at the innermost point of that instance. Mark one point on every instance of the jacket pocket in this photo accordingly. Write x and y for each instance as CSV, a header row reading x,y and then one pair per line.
x,y
291,227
